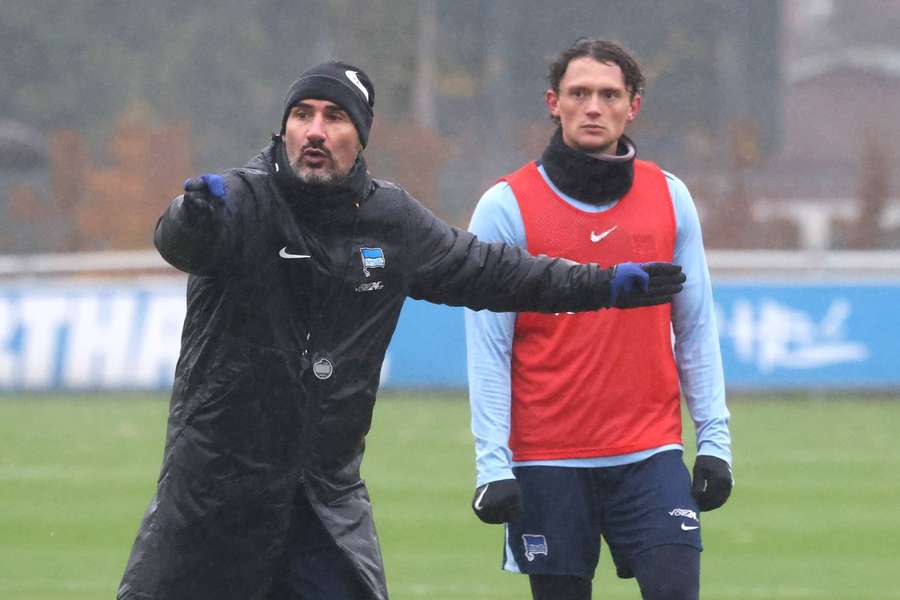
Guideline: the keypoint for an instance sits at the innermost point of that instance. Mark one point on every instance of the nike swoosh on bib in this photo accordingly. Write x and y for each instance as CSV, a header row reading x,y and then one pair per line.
x,y
283,253
596,237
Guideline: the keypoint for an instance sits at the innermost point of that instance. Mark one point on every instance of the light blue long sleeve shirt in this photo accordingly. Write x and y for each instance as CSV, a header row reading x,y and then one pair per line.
x,y
489,338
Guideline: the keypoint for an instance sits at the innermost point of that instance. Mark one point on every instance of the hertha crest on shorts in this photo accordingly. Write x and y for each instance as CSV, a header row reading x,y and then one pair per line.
x,y
372,258
534,545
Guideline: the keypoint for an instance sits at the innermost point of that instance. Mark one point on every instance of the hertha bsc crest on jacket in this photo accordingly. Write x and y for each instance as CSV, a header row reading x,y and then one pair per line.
x,y
372,258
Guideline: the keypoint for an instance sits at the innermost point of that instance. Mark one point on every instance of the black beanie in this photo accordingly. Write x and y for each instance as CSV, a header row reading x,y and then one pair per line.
x,y
345,85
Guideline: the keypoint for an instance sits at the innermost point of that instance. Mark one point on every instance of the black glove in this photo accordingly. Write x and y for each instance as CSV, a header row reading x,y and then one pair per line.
x,y
200,194
712,482
498,501
634,285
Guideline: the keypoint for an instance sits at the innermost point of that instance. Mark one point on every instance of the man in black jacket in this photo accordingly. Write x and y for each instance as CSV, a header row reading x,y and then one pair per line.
x,y
299,265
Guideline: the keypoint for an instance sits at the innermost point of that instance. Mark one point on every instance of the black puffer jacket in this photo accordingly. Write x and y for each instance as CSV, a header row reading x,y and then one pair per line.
x,y
280,362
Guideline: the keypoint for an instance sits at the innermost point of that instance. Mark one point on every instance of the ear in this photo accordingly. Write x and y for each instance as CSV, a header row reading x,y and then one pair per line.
x,y
634,108
551,98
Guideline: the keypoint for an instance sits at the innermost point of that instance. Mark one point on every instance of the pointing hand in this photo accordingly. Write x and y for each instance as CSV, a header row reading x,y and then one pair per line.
x,y
199,193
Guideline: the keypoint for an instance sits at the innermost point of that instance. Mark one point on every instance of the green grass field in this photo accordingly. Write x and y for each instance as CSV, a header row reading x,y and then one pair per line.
x,y
815,513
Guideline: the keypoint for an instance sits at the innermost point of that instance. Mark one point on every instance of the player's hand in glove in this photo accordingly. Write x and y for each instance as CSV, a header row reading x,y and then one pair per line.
x,y
647,284
712,482
201,195
498,501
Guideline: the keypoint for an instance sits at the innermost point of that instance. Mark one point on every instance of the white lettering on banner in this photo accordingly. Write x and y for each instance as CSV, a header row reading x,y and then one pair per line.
x,y
159,341
43,318
7,356
775,335
97,353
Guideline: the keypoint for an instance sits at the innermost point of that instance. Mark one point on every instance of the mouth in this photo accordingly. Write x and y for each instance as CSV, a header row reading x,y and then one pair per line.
x,y
592,128
315,157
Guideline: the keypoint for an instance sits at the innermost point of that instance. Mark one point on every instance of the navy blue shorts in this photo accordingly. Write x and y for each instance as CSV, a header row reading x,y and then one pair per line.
x,y
633,507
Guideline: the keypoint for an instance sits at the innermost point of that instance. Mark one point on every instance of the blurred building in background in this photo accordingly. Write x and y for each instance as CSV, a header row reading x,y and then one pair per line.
x,y
833,177
781,116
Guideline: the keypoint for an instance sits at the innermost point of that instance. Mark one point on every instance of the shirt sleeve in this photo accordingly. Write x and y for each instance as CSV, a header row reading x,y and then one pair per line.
x,y
489,338
697,352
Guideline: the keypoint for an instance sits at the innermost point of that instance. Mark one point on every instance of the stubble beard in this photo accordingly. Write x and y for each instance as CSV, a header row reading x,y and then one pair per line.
x,y
315,177
327,177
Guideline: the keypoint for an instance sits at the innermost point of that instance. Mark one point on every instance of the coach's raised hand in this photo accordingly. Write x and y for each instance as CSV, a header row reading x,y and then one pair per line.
x,y
201,195
634,285
190,235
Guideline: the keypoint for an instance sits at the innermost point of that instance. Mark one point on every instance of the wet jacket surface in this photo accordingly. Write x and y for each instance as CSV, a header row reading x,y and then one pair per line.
x,y
292,298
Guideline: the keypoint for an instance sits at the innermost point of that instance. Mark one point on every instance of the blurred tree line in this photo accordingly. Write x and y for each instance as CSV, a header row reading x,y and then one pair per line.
x,y
132,97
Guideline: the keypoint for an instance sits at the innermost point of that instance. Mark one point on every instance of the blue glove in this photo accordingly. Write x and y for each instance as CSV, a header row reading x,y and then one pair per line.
x,y
216,185
634,285
627,279
198,196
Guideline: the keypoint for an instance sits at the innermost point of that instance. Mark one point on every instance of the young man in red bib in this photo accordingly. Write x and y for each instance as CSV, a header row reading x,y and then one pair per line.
x,y
577,417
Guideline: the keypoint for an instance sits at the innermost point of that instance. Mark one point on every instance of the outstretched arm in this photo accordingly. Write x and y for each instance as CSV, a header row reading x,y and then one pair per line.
x,y
454,267
197,233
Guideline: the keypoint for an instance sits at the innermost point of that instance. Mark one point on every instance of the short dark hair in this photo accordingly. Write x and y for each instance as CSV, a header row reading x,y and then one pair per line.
x,y
602,51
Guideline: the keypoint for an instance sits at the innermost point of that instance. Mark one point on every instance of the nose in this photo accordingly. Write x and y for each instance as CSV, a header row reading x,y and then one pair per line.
x,y
316,130
594,106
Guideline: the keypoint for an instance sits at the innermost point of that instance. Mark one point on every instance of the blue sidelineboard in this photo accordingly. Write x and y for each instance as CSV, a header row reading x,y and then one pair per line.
x,y
804,335
85,337
56,336
773,335
428,349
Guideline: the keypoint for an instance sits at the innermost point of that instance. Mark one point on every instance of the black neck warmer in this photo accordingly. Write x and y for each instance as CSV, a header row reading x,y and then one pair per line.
x,y
585,177
316,199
